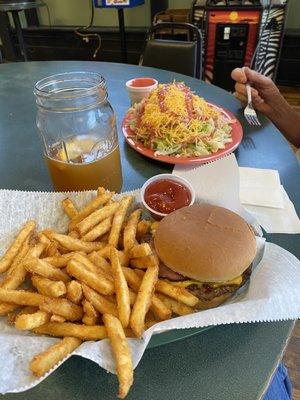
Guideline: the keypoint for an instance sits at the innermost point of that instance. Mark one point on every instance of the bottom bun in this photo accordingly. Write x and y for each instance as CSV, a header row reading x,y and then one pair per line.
x,y
215,302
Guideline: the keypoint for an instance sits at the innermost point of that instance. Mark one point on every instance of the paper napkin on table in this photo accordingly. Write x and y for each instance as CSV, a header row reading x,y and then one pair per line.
x,y
260,187
265,198
255,194
276,272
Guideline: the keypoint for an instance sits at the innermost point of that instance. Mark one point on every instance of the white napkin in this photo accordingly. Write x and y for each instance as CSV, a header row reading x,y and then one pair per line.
x,y
260,187
223,183
275,220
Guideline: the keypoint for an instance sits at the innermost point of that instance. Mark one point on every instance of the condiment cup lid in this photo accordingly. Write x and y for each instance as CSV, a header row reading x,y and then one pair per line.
x,y
159,177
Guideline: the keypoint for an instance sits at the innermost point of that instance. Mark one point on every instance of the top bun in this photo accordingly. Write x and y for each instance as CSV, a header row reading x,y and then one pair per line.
x,y
205,242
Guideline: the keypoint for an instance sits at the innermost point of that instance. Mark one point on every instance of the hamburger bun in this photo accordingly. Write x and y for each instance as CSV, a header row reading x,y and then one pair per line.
x,y
206,243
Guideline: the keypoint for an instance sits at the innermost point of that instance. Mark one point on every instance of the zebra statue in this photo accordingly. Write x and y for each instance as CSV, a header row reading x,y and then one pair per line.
x,y
269,45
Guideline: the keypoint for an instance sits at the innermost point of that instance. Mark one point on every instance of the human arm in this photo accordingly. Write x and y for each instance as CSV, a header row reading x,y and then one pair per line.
x,y
267,99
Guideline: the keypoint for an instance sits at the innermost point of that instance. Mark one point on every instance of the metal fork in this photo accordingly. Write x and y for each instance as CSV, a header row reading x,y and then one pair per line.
x,y
249,112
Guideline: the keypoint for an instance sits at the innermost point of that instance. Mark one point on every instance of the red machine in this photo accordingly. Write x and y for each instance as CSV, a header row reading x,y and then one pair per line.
x,y
231,38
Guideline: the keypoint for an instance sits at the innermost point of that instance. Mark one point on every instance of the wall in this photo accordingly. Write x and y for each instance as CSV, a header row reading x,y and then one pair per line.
x,y
77,12
293,18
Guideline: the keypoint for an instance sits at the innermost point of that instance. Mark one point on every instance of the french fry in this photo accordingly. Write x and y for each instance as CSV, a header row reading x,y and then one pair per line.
x,y
6,308
20,255
121,352
42,268
57,318
7,259
143,301
95,281
62,307
48,287
92,267
120,244
93,205
74,292
21,297
105,252
144,262
118,220
83,332
121,289
73,244
16,276
143,228
101,264
11,317
150,323
36,250
69,208
28,310
52,249
46,360
42,238
101,304
99,230
160,310
176,306
140,250
60,261
74,234
96,217
90,315
101,190
132,297
31,321
129,239
178,293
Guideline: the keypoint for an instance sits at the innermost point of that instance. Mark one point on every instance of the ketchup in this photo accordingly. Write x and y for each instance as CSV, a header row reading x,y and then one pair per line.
x,y
166,195
142,82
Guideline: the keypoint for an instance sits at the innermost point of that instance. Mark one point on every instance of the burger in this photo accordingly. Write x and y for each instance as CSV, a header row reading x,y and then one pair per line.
x,y
206,249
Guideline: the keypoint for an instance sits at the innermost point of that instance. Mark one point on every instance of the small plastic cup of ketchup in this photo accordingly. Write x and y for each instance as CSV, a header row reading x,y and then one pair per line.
x,y
138,88
165,193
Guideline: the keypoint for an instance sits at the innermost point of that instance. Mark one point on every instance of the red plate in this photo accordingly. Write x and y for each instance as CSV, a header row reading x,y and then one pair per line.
x,y
236,134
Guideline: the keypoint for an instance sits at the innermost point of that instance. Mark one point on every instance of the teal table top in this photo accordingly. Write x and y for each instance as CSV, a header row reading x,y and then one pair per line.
x,y
223,363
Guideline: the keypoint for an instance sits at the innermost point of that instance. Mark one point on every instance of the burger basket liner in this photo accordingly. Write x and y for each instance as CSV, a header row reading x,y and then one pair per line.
x,y
271,295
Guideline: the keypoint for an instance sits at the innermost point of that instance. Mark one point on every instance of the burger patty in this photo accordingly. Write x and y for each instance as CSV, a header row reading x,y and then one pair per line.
x,y
206,292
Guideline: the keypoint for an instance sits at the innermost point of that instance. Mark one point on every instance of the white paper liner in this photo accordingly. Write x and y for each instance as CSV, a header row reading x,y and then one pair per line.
x,y
225,184
273,294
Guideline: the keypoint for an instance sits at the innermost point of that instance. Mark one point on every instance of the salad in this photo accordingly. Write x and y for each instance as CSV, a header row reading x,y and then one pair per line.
x,y
172,120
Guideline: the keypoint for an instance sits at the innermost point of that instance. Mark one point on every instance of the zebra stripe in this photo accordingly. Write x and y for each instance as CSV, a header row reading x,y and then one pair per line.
x,y
270,38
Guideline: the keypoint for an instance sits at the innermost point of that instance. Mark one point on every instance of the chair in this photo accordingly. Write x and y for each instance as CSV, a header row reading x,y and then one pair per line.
x,y
183,57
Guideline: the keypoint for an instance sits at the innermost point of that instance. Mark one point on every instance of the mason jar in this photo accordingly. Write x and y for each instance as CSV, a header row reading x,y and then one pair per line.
x,y
77,126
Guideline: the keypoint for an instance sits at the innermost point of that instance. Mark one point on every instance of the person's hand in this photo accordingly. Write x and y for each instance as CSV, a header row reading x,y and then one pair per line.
x,y
265,94
267,99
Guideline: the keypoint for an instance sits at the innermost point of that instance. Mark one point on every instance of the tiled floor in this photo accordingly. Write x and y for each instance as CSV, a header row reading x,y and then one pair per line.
x,y
292,354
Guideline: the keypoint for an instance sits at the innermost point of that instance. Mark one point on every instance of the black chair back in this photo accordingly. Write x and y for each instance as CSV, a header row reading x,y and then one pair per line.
x,y
178,56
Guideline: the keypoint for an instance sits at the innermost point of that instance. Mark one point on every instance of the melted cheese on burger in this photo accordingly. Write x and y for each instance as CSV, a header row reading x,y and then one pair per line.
x,y
236,281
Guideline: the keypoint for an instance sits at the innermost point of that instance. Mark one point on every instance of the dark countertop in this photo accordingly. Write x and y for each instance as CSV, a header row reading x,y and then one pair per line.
x,y
226,362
